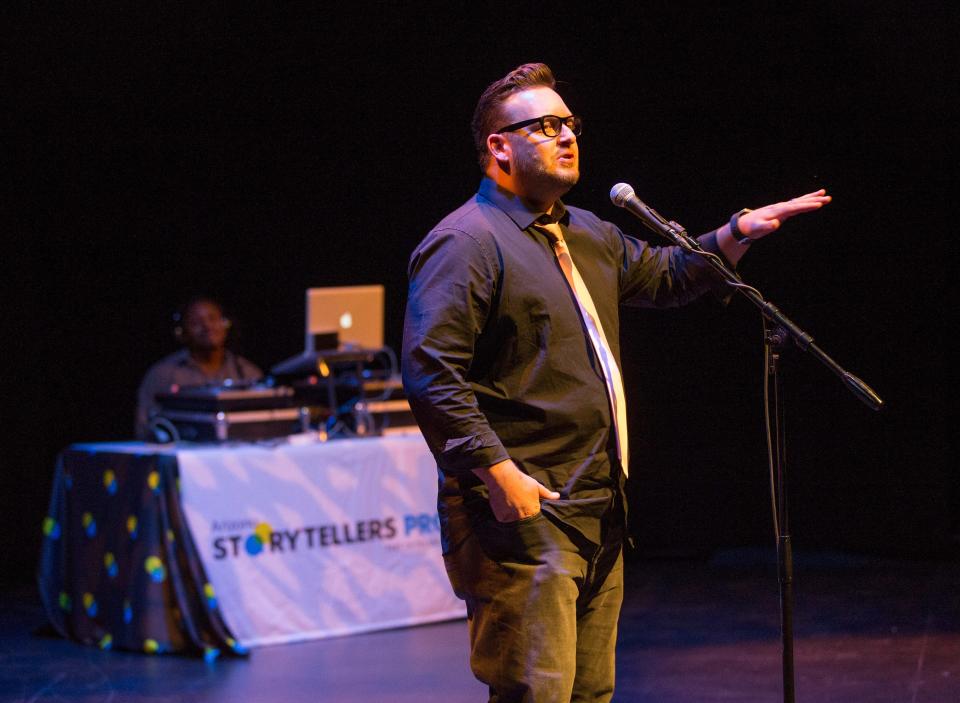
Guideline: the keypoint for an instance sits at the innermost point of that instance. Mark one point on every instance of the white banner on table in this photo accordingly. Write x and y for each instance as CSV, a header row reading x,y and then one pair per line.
x,y
324,539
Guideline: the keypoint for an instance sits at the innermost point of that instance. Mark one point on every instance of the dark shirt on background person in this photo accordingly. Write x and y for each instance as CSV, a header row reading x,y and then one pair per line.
x,y
202,328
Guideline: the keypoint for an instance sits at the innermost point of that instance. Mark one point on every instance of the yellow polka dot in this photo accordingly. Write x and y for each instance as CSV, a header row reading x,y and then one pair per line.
x,y
153,480
150,646
132,524
263,531
108,478
208,590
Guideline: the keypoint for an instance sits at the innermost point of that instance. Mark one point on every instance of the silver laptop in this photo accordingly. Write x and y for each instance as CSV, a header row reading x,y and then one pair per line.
x,y
355,313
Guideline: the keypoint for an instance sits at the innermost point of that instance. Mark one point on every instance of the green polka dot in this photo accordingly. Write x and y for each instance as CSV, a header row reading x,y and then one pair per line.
x,y
51,527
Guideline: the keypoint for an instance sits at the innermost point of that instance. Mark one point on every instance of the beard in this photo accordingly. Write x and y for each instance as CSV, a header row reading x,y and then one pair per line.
x,y
538,178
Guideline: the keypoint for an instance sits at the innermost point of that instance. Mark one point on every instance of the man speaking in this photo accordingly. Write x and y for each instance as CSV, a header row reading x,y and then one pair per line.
x,y
511,362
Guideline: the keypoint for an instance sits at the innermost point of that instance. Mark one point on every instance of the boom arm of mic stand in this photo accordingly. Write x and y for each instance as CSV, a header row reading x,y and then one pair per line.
x,y
678,235
861,390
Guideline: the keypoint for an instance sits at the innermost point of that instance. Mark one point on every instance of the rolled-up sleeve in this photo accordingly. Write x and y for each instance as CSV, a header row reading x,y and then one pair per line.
x,y
453,283
667,276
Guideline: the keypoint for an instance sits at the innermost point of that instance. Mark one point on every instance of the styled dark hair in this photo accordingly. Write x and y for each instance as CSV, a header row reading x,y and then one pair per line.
x,y
487,116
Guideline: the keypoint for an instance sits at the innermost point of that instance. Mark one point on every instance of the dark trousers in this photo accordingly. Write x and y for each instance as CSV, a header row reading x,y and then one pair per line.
x,y
542,604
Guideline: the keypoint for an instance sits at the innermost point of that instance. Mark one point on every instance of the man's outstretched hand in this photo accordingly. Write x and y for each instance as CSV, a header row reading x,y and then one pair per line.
x,y
758,223
762,221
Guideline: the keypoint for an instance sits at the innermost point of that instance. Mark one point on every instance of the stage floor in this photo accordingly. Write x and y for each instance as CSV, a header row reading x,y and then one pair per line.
x,y
868,631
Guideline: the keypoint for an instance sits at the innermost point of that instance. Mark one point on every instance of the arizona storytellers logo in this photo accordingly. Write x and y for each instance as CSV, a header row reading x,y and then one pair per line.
x,y
249,538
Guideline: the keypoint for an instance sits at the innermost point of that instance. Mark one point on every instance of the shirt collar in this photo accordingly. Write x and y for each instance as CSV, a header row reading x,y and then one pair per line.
x,y
185,359
514,207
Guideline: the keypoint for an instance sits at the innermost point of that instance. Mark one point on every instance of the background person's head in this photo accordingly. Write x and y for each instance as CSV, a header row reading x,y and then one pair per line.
x,y
201,325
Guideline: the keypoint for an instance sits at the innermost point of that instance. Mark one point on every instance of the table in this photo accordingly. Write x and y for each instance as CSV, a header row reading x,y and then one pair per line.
x,y
215,549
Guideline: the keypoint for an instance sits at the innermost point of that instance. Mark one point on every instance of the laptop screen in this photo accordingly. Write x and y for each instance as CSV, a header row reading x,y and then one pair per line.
x,y
354,313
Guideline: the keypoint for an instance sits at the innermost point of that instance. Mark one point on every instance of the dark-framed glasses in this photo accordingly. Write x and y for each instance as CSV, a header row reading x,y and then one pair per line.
x,y
550,125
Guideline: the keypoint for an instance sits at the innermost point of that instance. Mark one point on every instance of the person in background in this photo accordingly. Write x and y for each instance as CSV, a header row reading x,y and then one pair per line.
x,y
202,328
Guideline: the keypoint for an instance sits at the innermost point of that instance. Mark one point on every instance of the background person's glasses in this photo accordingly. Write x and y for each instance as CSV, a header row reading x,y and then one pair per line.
x,y
550,125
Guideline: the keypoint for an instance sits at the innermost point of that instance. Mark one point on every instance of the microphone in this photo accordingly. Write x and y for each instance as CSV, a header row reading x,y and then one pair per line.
x,y
623,195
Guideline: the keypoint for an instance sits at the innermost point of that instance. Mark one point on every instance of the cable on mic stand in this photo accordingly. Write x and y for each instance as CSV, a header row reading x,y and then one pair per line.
x,y
776,335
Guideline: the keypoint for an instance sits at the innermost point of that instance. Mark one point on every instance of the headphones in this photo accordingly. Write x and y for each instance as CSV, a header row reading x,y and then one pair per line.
x,y
162,431
180,315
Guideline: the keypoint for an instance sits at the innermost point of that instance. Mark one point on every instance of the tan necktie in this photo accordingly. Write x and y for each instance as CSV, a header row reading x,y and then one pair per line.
x,y
588,312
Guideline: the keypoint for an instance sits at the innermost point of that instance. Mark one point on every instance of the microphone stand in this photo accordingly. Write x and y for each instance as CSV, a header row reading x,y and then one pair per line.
x,y
775,339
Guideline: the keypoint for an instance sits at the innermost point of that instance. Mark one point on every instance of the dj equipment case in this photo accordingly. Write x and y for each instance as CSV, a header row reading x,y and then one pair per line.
x,y
223,413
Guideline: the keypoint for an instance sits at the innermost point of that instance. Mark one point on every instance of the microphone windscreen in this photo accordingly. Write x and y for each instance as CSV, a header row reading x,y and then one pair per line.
x,y
620,193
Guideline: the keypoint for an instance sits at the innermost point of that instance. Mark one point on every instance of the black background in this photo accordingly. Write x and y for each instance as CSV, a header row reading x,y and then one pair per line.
x,y
251,154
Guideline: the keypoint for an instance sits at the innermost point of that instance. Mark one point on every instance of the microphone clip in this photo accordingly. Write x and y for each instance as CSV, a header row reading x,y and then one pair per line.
x,y
678,233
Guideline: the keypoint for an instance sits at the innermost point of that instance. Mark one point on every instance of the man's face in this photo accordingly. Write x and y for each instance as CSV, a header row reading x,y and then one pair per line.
x,y
204,326
545,167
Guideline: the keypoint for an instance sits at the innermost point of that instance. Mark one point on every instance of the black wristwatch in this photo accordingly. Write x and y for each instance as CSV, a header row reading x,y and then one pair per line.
x,y
738,236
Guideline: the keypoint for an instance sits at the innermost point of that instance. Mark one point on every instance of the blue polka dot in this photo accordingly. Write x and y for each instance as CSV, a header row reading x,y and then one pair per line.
x,y
254,545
